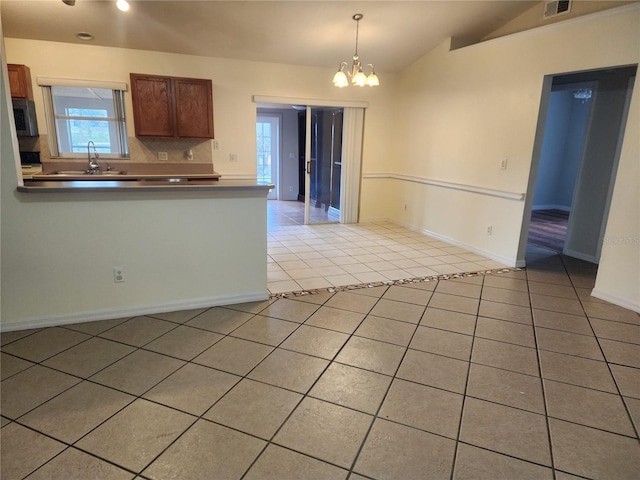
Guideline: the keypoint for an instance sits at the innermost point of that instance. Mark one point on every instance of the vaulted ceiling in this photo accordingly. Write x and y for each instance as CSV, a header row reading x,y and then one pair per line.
x,y
393,34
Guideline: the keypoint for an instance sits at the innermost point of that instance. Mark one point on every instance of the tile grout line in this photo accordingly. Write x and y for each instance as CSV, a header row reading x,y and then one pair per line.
x,y
466,384
606,360
384,397
542,383
306,394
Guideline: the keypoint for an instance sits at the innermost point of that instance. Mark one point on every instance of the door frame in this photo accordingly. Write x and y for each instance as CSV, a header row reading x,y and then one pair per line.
x,y
547,86
264,101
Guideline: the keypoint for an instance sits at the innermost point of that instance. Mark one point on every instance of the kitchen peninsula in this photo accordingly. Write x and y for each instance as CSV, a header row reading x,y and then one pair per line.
x,y
181,245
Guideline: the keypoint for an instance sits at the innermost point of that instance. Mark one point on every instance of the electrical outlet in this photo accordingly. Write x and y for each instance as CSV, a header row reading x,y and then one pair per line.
x,y
503,164
216,144
163,156
118,274
405,207
189,155
233,157
291,188
490,230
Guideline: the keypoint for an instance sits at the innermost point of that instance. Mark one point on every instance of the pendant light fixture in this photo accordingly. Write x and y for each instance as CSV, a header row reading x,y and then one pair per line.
x,y
358,78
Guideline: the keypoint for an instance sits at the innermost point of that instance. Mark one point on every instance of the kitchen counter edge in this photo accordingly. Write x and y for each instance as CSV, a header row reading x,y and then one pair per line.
x,y
87,186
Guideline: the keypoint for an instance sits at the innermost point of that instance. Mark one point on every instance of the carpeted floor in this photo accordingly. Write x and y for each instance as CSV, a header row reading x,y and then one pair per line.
x,y
548,229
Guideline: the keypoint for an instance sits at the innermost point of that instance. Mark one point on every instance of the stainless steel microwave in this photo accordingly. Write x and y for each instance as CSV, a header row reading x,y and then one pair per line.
x,y
24,114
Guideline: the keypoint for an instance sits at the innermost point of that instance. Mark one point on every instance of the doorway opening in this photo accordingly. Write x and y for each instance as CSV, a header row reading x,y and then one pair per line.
x,y
580,132
323,167
268,151
314,160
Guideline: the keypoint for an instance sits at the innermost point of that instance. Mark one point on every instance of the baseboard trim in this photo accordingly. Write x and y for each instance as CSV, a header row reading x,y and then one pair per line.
x,y
509,262
621,302
580,256
96,315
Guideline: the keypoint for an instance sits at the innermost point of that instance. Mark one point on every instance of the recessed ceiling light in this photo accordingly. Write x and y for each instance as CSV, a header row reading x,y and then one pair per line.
x,y
122,5
84,36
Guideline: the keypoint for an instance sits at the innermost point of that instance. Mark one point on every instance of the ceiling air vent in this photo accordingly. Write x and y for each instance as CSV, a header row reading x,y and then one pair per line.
x,y
557,7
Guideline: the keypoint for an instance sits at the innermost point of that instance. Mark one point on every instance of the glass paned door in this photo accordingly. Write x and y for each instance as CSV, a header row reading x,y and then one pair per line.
x,y
323,164
268,151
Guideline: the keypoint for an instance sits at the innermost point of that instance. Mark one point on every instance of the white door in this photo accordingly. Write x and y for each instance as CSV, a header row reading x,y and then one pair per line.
x,y
268,151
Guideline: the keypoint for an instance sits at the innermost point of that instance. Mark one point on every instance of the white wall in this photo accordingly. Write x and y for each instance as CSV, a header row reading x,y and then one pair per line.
x,y
460,113
178,251
234,84
618,278
451,116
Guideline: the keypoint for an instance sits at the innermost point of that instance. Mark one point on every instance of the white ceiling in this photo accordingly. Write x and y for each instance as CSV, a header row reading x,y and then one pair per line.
x,y
393,34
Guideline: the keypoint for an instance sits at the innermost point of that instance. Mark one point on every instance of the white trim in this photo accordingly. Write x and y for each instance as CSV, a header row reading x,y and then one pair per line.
x,y
91,316
508,262
621,302
455,186
579,255
70,82
551,207
311,102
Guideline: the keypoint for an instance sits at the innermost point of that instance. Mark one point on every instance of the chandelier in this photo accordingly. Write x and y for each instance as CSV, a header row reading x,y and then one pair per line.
x,y
584,94
358,78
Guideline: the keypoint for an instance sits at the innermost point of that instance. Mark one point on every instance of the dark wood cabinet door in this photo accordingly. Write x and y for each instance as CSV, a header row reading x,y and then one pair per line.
x,y
194,108
20,81
153,105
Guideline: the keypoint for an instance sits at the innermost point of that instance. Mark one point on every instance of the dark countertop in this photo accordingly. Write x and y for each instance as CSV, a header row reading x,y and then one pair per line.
x,y
80,176
113,185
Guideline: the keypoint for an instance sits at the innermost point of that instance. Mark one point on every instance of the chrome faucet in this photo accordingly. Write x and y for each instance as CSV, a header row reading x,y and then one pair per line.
x,y
94,166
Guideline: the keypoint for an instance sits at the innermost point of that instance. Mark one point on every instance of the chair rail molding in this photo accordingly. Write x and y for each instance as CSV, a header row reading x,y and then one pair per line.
x,y
451,185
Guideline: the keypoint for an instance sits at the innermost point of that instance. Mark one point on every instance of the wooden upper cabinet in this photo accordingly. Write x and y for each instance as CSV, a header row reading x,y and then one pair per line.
x,y
20,81
194,108
172,107
152,99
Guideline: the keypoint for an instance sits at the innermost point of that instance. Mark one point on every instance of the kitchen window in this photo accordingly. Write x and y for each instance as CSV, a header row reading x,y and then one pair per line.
x,y
79,112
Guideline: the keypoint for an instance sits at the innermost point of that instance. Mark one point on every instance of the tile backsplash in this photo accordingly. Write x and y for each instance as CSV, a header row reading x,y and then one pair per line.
x,y
141,150
146,150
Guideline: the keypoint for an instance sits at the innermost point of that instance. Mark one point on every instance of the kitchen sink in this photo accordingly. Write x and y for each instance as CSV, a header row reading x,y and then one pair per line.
x,y
76,173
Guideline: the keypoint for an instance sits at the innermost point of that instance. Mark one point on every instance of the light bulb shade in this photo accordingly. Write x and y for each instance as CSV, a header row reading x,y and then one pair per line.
x,y
122,5
340,79
359,79
373,80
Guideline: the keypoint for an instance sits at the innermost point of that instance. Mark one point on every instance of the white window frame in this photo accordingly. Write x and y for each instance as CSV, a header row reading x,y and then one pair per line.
x,y
119,118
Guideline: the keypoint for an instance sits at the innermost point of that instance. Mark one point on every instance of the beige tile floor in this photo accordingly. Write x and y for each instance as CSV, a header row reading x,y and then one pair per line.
x,y
305,257
520,375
